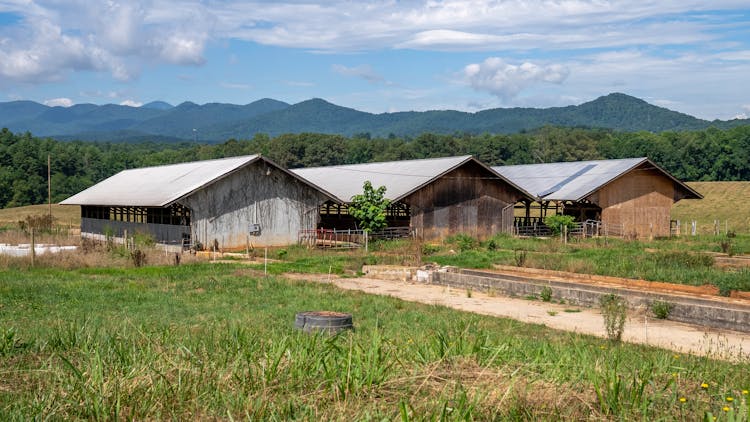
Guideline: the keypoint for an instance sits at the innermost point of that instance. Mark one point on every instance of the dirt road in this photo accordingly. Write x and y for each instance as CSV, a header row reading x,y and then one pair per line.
x,y
640,328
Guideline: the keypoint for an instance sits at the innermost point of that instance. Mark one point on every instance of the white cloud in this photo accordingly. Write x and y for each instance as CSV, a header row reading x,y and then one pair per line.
x,y
365,72
58,102
506,80
131,103
118,37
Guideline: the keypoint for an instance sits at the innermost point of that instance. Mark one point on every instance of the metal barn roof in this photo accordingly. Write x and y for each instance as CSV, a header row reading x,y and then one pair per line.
x,y
162,185
401,178
574,181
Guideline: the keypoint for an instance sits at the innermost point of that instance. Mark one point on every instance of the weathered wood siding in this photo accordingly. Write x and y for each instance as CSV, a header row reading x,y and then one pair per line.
x,y
281,204
467,200
640,200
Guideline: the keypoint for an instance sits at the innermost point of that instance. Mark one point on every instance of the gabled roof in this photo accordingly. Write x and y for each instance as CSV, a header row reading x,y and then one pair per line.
x,y
574,181
401,178
163,185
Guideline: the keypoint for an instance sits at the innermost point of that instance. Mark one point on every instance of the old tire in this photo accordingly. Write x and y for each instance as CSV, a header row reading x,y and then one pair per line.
x,y
327,322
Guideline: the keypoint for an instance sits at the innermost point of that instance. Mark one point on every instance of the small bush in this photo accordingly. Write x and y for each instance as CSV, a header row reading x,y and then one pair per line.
x,y
462,242
491,245
519,256
558,221
546,294
428,249
39,223
138,257
614,311
282,253
726,247
143,240
661,309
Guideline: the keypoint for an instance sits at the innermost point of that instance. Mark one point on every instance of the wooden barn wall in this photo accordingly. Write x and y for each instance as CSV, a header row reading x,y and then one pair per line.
x,y
282,205
640,200
467,200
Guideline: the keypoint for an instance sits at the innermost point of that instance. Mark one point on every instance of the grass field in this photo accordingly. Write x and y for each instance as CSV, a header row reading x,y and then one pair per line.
x,y
217,342
66,215
727,202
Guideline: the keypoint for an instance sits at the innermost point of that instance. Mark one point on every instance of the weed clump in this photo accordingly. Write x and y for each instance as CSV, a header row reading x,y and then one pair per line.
x,y
546,294
661,308
138,257
462,242
38,223
614,311
519,256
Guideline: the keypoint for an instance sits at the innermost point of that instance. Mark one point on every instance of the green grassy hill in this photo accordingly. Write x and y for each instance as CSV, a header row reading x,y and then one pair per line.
x,y
723,201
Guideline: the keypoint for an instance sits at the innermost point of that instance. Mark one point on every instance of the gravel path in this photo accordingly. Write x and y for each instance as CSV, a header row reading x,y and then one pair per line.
x,y
640,328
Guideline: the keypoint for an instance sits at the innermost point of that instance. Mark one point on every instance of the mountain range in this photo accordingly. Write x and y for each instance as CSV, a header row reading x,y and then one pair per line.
x,y
216,122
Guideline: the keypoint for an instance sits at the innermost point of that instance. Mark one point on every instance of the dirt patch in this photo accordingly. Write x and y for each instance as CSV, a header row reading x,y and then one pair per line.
x,y
656,286
640,327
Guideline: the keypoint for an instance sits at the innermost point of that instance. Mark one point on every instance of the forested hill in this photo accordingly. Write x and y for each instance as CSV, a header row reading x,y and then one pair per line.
x,y
708,154
215,122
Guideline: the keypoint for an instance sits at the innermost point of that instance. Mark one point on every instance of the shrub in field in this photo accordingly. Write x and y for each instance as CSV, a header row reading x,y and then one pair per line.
x,y
138,257
661,309
614,311
39,223
428,249
519,256
462,242
143,240
546,294
726,247
558,221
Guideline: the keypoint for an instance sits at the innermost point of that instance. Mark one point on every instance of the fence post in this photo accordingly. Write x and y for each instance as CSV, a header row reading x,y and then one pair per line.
x,y
694,227
33,247
366,246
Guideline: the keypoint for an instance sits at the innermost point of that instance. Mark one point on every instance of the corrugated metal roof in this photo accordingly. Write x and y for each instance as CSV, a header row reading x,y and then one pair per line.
x,y
400,178
157,186
571,181
574,181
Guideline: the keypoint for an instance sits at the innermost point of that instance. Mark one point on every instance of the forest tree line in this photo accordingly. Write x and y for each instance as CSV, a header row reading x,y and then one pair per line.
x,y
706,155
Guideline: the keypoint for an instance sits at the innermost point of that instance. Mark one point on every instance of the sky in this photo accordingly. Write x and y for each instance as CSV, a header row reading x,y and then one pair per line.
x,y
691,56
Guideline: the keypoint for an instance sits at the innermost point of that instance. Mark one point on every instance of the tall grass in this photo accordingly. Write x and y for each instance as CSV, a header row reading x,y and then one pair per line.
x,y
214,342
678,260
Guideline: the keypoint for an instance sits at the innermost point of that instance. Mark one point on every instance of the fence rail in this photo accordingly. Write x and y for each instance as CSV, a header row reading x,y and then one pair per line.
x,y
588,228
349,238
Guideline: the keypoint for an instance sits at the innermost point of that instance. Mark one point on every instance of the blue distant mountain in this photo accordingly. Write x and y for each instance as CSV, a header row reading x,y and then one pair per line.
x,y
157,105
216,122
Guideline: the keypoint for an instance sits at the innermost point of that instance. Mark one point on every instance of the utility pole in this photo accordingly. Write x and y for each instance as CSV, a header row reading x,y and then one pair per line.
x,y
49,188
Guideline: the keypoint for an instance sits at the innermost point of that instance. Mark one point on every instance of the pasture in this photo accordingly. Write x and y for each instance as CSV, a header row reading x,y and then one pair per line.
x,y
216,341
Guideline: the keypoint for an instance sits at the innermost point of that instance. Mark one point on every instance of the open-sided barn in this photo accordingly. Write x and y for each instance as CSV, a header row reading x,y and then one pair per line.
x,y
230,202
634,194
434,197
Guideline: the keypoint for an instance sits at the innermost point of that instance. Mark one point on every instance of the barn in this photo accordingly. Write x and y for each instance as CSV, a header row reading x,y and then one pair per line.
x,y
632,196
432,197
229,203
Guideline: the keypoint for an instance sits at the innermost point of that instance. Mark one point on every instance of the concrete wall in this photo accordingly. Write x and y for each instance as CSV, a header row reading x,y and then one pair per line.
x,y
695,310
256,194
